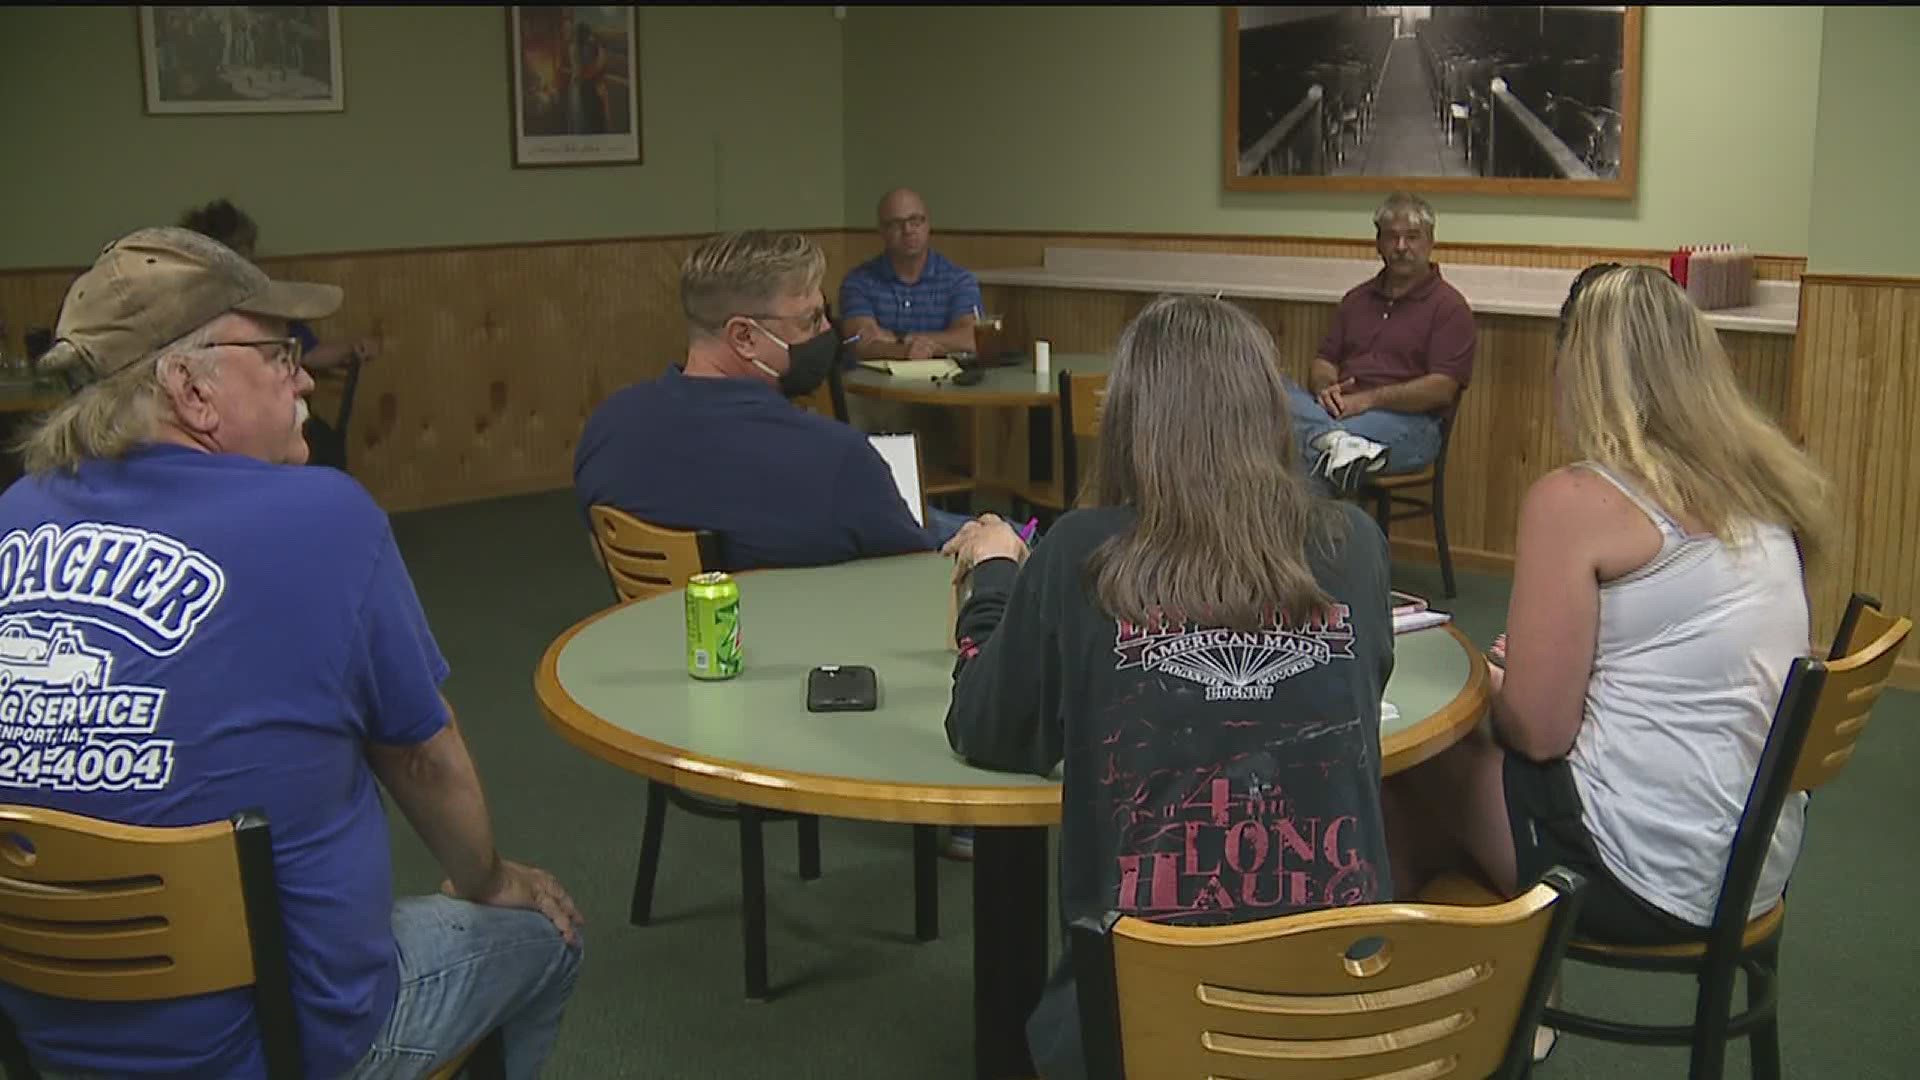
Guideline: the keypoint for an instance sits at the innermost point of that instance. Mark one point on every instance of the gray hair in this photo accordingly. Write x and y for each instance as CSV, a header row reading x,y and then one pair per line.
x,y
110,417
1403,204
742,272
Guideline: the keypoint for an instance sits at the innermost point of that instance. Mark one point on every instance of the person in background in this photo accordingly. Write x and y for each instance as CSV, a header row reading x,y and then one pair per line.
x,y
230,225
1658,601
715,444
265,615
1398,353
1103,653
910,301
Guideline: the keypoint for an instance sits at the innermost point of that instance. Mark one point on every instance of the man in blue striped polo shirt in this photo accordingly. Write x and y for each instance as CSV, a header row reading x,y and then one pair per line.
x,y
909,301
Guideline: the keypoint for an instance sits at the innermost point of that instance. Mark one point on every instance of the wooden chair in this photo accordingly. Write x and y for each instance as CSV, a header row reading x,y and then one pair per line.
x,y
1082,399
1390,490
1822,711
1382,991
94,910
327,441
643,560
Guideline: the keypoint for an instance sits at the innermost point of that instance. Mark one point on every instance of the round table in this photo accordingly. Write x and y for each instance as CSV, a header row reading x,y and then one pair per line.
x,y
616,686
1012,385
1007,454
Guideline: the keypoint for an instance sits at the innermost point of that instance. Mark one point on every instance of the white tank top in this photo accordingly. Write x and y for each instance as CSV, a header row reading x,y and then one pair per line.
x,y
1693,650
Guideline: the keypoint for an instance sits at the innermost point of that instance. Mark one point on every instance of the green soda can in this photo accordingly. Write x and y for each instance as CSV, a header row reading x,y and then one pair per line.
x,y
713,626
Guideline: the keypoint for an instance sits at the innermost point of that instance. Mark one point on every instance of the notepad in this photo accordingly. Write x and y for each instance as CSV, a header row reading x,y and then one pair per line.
x,y
902,455
1419,620
914,369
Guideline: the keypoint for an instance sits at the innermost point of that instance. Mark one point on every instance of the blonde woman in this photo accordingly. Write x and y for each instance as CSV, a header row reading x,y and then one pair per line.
x,y
1201,649
1658,601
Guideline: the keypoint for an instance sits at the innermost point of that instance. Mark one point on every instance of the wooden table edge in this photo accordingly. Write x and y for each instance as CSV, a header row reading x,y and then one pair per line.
x,y
1410,746
779,789
970,399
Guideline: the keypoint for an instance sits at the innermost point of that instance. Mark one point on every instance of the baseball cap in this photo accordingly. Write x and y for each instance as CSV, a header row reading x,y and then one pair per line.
x,y
155,286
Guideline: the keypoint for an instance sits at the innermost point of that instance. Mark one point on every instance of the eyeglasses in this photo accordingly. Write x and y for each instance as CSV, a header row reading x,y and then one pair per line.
x,y
282,351
810,319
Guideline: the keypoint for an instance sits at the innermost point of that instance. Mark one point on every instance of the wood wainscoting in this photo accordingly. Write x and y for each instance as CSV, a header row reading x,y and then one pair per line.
x,y
495,355
1855,406
1503,440
492,357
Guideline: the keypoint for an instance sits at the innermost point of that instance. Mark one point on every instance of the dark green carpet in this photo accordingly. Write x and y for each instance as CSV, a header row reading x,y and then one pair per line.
x,y
857,997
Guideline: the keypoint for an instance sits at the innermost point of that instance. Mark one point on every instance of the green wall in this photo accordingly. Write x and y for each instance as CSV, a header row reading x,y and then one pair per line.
x,y
1005,117
741,111
1110,120
1867,159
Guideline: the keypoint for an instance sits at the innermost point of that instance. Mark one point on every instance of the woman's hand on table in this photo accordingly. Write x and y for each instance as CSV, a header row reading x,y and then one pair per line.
x,y
986,537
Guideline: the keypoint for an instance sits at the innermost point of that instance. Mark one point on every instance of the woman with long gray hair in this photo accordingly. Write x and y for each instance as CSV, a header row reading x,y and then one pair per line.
x,y
1202,647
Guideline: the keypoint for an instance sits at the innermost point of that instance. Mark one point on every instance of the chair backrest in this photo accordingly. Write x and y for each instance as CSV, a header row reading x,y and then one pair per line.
x,y
1082,398
98,911
642,559
1386,991
1821,714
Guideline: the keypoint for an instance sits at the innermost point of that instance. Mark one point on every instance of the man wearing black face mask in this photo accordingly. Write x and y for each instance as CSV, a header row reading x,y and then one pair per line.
x,y
714,443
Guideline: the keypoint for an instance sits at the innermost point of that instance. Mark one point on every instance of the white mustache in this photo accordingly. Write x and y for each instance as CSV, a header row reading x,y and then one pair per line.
x,y
299,412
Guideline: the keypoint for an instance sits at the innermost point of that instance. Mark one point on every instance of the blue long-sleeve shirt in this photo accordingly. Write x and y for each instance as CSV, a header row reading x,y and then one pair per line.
x,y
780,486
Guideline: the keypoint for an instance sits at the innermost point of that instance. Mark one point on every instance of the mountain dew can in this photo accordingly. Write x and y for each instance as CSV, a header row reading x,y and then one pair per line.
x,y
713,626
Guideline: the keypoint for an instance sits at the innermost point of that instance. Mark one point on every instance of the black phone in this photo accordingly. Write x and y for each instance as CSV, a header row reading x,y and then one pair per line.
x,y
842,688
969,377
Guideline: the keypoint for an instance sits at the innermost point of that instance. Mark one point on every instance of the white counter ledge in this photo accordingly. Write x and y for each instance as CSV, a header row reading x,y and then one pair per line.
x,y
1495,290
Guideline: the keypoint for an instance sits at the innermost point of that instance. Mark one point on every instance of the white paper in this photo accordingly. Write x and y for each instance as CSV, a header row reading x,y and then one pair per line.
x,y
1419,620
902,454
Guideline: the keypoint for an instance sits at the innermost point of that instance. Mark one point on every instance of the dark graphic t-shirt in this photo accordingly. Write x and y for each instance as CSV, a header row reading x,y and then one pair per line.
x,y
1210,775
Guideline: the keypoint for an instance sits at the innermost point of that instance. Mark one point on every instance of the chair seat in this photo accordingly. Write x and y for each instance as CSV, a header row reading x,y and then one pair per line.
x,y
1469,892
1393,481
1758,931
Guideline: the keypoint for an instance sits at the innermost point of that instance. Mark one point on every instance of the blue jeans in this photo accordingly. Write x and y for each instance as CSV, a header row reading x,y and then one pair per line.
x,y
942,524
1412,439
465,970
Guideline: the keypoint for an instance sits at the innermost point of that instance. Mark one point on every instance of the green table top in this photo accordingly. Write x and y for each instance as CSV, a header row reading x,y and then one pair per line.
x,y
1001,382
628,669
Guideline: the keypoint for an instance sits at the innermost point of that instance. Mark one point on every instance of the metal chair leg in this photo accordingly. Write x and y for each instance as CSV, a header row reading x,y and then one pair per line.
x,y
809,847
1711,1011
640,913
1440,538
926,883
753,902
1763,1044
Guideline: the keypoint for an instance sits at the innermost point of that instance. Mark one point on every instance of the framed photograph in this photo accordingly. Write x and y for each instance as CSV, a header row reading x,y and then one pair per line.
x,y
576,85
1502,100
259,59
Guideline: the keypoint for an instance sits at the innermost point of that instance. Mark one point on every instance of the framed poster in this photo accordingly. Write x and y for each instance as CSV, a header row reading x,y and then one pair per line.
x,y
576,85
250,59
1508,100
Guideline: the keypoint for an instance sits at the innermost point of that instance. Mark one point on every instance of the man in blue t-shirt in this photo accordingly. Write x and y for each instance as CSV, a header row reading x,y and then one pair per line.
x,y
255,639
714,444
909,301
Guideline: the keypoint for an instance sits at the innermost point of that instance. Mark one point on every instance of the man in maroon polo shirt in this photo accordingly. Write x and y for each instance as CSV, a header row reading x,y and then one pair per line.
x,y
1398,354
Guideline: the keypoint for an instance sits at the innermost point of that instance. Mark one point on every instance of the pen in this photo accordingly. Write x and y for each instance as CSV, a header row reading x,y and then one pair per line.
x,y
854,340
1027,530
